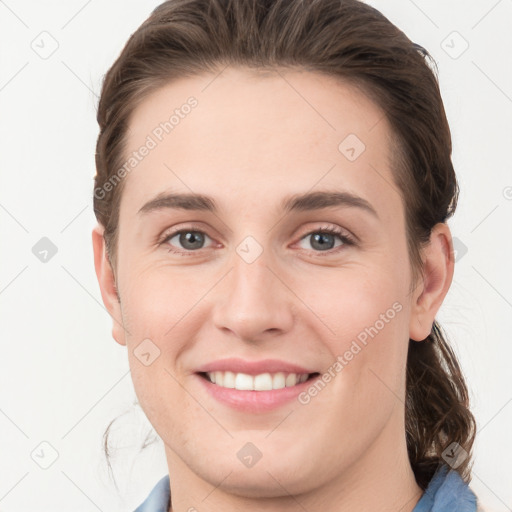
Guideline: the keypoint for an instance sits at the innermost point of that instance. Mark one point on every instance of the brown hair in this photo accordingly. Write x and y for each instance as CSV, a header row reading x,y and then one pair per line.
x,y
349,40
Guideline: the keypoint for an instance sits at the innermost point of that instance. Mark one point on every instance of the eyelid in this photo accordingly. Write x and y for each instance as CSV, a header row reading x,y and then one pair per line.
x,y
333,229
172,232
342,233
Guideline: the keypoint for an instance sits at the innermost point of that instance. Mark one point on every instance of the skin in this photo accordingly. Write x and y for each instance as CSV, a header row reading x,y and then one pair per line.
x,y
251,141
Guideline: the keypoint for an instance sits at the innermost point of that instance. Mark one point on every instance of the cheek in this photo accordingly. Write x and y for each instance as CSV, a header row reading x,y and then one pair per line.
x,y
366,319
161,397
352,302
158,314
157,300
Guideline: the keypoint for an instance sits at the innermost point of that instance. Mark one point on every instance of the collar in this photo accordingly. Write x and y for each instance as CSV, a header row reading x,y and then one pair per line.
x,y
447,492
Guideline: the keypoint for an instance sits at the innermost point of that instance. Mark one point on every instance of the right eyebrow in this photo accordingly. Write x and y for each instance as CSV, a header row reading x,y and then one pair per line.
x,y
181,202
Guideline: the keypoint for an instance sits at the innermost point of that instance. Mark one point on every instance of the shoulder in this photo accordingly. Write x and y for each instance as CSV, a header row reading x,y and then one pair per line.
x,y
447,492
158,499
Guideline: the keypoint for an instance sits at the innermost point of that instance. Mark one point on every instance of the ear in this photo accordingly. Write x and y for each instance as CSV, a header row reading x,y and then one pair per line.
x,y
106,280
438,265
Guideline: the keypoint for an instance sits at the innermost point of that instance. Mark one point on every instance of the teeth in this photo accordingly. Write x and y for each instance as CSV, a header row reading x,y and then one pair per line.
x,y
244,382
291,379
278,381
261,382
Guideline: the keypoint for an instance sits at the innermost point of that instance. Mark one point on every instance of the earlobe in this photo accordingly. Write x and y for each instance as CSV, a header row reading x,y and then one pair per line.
x,y
107,283
438,268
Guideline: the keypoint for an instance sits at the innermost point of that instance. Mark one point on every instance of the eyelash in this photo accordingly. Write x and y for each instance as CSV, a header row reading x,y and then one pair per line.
x,y
346,239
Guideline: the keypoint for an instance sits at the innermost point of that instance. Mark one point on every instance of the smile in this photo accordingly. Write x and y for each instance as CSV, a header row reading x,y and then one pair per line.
x,y
259,393
260,382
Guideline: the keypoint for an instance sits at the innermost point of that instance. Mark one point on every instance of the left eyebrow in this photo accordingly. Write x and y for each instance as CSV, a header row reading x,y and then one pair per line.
x,y
318,200
299,202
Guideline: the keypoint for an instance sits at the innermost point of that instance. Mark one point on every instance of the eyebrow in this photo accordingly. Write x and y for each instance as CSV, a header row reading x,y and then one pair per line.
x,y
299,202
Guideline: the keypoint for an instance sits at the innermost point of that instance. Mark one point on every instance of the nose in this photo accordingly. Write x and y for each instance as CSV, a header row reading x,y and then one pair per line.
x,y
254,301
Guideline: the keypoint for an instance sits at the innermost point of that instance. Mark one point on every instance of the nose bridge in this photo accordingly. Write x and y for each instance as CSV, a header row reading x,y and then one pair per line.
x,y
253,298
251,277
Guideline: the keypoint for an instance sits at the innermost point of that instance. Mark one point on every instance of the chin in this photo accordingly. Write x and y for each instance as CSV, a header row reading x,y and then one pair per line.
x,y
268,478
261,484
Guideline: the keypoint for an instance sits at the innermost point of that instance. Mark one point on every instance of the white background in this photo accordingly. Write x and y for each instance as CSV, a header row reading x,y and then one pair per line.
x,y
63,378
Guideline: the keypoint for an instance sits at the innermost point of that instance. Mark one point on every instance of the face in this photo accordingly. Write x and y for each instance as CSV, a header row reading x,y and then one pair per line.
x,y
320,287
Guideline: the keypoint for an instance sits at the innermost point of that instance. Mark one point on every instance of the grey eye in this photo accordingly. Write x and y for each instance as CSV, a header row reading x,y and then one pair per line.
x,y
189,239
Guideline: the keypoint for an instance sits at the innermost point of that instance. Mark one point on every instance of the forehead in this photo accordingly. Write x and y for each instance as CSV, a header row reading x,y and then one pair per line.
x,y
258,137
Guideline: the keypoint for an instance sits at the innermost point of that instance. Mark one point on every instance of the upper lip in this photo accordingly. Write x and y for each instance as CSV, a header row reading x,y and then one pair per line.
x,y
237,365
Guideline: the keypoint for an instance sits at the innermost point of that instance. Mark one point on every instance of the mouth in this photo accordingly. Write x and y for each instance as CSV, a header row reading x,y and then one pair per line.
x,y
256,386
260,382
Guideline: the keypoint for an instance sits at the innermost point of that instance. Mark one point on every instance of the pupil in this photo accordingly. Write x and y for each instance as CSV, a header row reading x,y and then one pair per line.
x,y
191,237
320,238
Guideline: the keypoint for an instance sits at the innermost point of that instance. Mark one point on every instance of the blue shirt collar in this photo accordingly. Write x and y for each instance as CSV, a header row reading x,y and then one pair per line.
x,y
158,499
446,492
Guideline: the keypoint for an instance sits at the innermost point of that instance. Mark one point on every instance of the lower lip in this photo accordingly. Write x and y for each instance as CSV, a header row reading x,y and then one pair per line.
x,y
255,401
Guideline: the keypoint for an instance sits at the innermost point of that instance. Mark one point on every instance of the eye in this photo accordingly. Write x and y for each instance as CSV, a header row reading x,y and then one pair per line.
x,y
190,239
322,240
